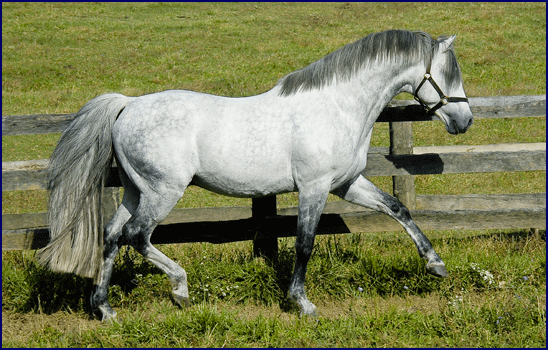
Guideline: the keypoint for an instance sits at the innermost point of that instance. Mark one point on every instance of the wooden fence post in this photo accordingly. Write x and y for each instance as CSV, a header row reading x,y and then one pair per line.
x,y
401,142
264,246
111,202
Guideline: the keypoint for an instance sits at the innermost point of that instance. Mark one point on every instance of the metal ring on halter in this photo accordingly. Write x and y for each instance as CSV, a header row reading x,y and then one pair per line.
x,y
443,99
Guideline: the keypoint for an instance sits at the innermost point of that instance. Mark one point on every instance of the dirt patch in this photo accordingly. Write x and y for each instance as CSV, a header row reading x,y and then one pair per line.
x,y
18,327
332,309
335,309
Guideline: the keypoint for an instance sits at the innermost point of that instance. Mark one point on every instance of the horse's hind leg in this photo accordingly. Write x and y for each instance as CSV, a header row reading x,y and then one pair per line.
x,y
111,245
153,208
113,231
361,191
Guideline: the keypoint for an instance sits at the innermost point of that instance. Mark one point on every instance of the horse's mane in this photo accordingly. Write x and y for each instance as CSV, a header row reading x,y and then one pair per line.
x,y
391,46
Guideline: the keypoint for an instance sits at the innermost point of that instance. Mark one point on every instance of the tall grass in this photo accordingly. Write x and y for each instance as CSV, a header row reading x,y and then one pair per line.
x,y
495,295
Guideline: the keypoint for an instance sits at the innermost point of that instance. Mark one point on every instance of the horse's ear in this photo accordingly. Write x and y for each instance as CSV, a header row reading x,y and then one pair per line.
x,y
446,44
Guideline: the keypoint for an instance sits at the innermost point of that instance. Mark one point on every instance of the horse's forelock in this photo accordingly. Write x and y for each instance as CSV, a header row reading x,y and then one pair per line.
x,y
451,71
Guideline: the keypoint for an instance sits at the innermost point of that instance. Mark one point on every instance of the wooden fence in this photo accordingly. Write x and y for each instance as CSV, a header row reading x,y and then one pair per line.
x,y
263,223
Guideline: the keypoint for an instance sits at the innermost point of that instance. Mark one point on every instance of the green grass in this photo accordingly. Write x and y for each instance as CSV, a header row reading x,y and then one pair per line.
x,y
367,296
57,56
61,51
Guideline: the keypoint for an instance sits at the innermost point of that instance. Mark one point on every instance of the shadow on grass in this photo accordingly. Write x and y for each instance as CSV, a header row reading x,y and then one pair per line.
x,y
519,235
50,292
37,289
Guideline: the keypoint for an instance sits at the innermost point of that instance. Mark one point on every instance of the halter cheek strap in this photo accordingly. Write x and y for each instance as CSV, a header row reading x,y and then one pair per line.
x,y
443,99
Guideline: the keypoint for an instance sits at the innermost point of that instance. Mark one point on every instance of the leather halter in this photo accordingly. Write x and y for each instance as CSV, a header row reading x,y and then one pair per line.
x,y
443,99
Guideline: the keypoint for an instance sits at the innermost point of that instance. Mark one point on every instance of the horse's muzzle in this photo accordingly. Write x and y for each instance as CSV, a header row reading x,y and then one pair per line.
x,y
456,127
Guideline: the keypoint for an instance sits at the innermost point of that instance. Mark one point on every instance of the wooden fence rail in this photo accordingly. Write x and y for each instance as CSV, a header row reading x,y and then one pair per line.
x,y
263,223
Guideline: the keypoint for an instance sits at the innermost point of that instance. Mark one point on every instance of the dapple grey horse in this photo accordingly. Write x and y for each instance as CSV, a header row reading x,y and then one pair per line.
x,y
310,133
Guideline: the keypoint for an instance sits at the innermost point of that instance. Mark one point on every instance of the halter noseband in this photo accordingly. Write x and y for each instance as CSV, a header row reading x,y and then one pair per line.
x,y
443,99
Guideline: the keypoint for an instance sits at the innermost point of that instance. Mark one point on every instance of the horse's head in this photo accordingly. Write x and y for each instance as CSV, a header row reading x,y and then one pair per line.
x,y
441,91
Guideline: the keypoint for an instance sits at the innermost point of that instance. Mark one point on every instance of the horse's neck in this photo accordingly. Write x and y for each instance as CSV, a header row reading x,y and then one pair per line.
x,y
373,89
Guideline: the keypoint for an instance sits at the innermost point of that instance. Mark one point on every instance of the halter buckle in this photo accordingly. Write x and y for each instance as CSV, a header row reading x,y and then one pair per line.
x,y
444,100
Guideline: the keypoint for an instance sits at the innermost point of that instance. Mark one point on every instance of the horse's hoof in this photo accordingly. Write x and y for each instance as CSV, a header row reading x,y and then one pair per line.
x,y
110,317
183,302
106,314
312,314
305,306
308,309
437,270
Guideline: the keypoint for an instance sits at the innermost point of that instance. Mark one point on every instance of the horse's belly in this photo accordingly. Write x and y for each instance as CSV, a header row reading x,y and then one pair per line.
x,y
244,181
243,157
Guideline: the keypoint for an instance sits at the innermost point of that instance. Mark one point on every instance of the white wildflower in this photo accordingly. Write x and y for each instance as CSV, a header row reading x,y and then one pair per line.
x,y
486,275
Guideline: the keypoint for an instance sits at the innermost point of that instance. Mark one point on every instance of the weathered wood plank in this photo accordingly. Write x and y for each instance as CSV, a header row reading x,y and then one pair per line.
x,y
207,214
24,239
455,163
513,201
179,215
496,147
429,220
24,175
508,106
32,175
285,226
398,110
424,202
23,221
35,124
27,175
482,107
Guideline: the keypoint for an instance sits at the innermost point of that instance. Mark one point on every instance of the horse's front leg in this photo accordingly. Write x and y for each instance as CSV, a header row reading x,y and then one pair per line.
x,y
361,191
311,203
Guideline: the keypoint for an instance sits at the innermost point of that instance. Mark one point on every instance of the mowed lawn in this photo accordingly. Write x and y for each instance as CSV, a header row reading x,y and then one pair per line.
x,y
58,56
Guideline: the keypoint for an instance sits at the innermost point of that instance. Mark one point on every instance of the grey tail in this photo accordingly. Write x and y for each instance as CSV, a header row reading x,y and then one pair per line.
x,y
77,172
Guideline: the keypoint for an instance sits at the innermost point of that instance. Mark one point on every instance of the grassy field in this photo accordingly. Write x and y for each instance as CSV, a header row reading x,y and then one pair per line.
x,y
367,296
57,56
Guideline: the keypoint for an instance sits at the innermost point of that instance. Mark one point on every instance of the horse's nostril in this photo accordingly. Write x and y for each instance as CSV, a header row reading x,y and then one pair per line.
x,y
455,125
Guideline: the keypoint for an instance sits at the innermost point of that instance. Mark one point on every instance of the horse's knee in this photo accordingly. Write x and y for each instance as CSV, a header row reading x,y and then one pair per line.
x,y
396,207
134,235
139,243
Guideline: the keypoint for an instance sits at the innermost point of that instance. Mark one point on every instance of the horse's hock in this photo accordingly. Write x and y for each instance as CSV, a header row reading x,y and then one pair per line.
x,y
263,224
